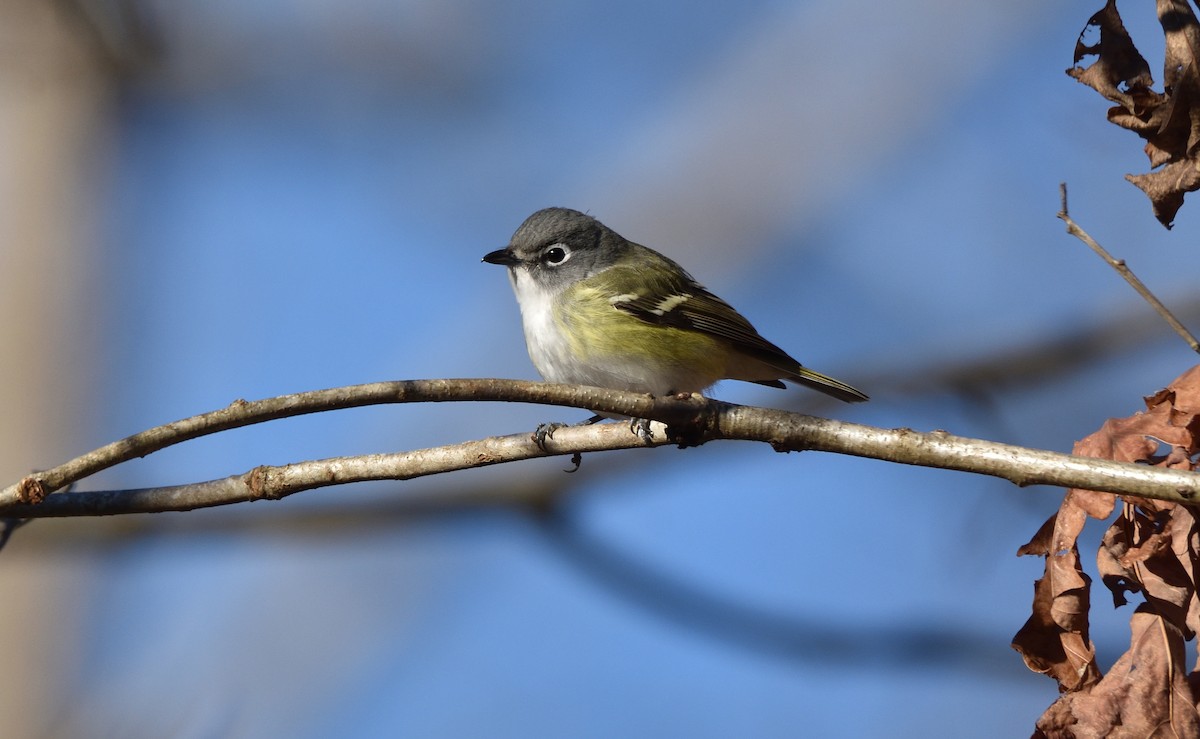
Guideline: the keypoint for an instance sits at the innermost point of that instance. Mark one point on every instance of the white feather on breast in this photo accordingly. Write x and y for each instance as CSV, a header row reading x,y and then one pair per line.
x,y
548,347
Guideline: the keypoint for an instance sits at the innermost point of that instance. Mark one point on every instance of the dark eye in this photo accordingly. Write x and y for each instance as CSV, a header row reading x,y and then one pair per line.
x,y
555,255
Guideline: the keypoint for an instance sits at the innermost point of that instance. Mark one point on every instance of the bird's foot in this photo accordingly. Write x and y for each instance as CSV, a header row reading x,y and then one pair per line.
x,y
641,427
545,431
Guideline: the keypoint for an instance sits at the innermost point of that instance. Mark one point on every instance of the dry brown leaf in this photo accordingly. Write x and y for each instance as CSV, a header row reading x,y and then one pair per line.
x,y
1154,555
1116,562
1118,66
1054,640
1167,186
1147,548
1167,571
1151,548
1047,647
1168,121
1145,694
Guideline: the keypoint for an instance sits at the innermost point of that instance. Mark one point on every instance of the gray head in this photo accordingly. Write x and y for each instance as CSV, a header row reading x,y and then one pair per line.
x,y
558,246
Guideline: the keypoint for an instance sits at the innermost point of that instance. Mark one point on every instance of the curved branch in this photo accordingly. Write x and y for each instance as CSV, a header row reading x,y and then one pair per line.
x,y
689,421
33,488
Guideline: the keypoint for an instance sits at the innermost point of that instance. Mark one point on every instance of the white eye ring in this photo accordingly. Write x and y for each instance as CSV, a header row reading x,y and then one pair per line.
x,y
556,255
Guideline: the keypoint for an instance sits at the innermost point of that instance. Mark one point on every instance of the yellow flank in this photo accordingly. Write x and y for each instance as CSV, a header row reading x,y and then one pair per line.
x,y
598,331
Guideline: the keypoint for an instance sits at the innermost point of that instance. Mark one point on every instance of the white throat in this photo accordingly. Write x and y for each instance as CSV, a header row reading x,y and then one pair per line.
x,y
544,338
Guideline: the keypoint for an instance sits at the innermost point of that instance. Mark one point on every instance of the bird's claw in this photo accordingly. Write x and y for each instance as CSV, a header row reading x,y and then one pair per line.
x,y
641,427
545,431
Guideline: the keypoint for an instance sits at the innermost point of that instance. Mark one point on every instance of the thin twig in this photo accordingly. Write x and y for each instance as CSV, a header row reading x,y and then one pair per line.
x,y
1119,265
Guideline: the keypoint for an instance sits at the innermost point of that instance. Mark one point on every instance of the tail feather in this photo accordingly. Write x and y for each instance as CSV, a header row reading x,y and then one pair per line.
x,y
828,385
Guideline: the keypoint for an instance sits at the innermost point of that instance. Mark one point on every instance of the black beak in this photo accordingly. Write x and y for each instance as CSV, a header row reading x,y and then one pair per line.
x,y
501,256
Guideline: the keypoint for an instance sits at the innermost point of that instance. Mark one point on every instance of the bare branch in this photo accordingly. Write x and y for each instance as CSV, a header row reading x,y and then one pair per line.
x,y
275,482
241,413
690,420
1119,265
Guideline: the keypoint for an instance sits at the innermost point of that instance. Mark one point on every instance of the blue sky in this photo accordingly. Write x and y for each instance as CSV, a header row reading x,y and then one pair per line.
x,y
298,198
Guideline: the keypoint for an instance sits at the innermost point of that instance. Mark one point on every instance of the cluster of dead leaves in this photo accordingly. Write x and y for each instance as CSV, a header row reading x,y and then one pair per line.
x,y
1168,121
1151,549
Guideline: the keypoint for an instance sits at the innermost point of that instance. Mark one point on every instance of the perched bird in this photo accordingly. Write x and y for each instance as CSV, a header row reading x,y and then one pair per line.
x,y
601,310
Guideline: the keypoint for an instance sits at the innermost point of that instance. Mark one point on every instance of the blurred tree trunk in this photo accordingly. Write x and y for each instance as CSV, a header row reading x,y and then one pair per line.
x,y
54,106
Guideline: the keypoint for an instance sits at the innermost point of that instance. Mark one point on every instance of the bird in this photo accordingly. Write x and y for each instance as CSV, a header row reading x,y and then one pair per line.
x,y
598,309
